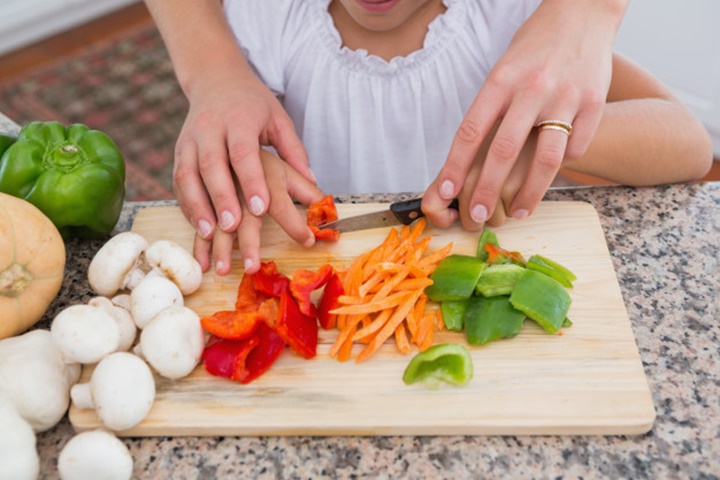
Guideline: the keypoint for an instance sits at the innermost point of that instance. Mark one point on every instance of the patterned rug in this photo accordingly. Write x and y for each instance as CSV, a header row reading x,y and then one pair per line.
x,y
125,87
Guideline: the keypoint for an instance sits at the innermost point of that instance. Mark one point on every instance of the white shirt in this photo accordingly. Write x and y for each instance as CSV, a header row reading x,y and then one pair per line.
x,y
368,125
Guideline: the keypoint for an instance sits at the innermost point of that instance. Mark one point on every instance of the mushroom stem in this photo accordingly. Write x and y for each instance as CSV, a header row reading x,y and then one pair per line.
x,y
81,395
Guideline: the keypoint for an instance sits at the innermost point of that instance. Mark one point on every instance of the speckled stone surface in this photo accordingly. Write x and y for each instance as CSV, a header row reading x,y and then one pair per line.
x,y
664,243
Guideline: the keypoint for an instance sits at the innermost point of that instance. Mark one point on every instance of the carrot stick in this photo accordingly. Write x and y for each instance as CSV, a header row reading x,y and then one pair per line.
x,y
435,257
439,319
398,316
401,339
376,324
370,307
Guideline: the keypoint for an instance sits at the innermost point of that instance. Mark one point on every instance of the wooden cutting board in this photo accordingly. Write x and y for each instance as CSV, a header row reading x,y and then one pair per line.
x,y
589,380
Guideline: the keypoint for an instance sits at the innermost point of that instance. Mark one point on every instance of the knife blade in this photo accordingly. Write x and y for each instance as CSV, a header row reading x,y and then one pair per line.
x,y
399,213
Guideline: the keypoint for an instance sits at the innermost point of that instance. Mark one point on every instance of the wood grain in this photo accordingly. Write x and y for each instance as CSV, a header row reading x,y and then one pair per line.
x,y
589,380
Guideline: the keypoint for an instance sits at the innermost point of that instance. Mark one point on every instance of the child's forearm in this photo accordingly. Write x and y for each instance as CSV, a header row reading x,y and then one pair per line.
x,y
198,38
647,141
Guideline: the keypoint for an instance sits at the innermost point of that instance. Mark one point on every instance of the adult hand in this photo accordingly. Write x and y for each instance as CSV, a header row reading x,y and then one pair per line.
x,y
558,66
231,115
285,184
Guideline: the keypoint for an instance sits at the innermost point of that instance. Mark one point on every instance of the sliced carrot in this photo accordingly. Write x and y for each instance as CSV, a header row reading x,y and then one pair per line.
x,y
372,306
435,257
439,319
401,339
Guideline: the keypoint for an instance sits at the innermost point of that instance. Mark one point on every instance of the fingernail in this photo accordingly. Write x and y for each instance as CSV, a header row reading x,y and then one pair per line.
x,y
247,263
257,206
447,190
309,242
312,175
520,214
478,213
204,229
226,220
219,266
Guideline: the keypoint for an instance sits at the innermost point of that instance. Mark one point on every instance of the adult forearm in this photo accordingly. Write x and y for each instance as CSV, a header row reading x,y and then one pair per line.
x,y
647,141
198,38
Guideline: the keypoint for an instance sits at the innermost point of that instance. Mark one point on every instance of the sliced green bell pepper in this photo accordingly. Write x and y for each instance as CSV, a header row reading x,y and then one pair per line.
x,y
448,362
541,298
455,278
74,175
552,269
493,318
499,279
452,314
487,236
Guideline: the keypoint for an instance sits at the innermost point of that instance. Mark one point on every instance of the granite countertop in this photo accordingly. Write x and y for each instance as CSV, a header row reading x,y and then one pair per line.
x,y
664,244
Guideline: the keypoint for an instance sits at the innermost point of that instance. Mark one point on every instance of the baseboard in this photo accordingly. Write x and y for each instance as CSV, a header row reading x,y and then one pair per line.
x,y
30,21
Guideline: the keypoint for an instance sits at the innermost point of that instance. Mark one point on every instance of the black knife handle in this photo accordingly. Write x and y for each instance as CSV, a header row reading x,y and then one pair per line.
x,y
409,210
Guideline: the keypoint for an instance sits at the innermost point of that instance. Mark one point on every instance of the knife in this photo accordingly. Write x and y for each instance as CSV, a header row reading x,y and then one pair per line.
x,y
405,213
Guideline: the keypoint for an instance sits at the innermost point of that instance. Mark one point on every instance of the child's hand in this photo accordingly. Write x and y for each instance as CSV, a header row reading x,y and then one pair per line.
x,y
230,116
557,67
284,184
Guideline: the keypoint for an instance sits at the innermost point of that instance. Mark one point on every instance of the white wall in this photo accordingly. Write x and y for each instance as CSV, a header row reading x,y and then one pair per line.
x,y
679,41
23,22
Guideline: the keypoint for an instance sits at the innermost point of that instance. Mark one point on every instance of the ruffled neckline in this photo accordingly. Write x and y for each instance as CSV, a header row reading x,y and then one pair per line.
x,y
360,60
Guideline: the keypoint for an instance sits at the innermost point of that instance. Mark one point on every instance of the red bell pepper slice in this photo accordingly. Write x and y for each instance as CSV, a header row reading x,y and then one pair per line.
x,y
270,281
232,324
304,282
299,331
329,301
261,358
227,358
498,255
248,296
320,213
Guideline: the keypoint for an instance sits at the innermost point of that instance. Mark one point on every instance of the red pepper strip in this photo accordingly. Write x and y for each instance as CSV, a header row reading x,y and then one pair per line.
x,y
248,297
232,324
498,255
304,282
227,358
320,213
269,281
329,301
299,331
261,358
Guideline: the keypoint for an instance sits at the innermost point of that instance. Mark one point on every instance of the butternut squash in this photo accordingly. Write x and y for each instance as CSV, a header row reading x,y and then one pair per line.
x,y
32,264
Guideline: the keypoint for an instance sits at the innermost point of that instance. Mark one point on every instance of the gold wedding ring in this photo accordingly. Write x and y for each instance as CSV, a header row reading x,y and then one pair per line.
x,y
559,125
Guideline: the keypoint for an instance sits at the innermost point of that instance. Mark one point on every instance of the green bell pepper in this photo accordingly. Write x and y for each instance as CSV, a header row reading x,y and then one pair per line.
x,y
6,142
491,318
487,236
499,279
452,314
448,362
552,269
455,278
74,175
543,299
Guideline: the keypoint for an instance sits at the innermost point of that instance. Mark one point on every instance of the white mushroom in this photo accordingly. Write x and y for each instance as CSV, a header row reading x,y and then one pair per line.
x,y
152,295
18,457
123,318
36,379
121,389
172,342
117,265
122,300
175,263
95,454
85,334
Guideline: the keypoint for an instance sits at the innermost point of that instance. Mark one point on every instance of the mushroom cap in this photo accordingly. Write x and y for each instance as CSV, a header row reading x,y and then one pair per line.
x,y
123,390
95,454
36,379
175,263
173,342
123,318
152,295
111,265
85,334
18,457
